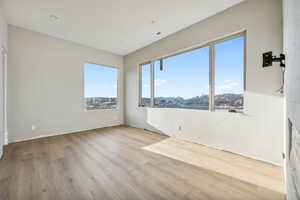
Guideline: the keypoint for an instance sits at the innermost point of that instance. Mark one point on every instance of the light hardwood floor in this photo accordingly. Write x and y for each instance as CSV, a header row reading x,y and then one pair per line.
x,y
239,167
110,164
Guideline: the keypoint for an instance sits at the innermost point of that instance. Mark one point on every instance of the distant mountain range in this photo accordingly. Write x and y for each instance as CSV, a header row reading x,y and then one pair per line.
x,y
94,103
228,100
222,101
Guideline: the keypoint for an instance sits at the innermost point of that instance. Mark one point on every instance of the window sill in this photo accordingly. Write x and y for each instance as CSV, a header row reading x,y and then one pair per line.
x,y
102,109
227,111
241,112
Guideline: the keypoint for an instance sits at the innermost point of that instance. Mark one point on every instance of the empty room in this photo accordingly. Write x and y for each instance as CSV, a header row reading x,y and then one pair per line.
x,y
150,100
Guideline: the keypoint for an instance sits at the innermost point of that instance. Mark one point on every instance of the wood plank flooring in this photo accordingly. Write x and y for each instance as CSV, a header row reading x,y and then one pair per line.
x,y
110,164
239,167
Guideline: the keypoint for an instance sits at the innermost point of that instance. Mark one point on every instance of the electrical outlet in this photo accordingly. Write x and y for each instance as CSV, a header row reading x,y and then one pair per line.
x,y
33,127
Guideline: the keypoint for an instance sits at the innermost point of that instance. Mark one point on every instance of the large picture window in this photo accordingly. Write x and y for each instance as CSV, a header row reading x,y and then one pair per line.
x,y
229,74
182,81
100,86
209,77
145,84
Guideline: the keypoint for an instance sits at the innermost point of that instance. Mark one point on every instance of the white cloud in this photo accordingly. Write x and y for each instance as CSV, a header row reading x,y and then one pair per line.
x,y
229,85
227,81
159,82
146,86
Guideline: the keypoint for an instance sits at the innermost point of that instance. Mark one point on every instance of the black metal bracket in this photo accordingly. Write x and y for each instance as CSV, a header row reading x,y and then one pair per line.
x,y
161,65
268,59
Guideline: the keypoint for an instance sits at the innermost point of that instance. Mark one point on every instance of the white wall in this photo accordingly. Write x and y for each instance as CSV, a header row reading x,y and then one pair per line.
x,y
259,132
292,51
3,43
3,30
45,86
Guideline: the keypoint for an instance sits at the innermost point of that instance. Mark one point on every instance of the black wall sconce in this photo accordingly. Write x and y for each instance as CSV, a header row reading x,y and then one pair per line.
x,y
268,59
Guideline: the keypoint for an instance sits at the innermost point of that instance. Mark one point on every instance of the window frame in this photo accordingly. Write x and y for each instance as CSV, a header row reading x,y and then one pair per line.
x,y
211,46
213,67
83,89
140,78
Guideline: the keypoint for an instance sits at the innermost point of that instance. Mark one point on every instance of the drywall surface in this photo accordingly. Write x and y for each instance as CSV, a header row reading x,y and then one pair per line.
x,y
3,44
45,86
292,51
257,133
3,31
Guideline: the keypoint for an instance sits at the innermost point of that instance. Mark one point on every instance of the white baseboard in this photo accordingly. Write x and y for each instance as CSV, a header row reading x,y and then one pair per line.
x,y
210,146
61,133
5,138
237,153
1,153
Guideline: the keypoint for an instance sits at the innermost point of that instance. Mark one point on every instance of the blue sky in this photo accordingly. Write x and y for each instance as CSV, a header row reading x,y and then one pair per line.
x,y
187,75
100,81
230,66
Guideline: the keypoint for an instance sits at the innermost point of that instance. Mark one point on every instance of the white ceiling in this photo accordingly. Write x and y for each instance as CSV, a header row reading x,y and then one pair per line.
x,y
118,26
